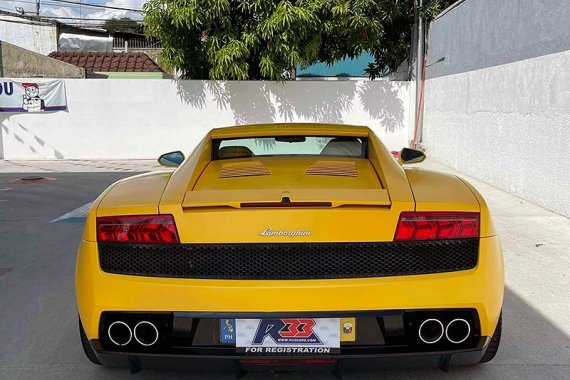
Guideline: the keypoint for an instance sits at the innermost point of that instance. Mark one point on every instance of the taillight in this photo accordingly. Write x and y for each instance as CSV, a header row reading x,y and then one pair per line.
x,y
437,225
142,229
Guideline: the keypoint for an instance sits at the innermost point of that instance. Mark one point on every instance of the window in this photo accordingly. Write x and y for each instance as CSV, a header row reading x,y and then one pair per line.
x,y
339,146
348,68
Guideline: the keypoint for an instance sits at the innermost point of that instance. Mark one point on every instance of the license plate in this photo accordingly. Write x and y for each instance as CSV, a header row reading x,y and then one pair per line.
x,y
288,335
228,328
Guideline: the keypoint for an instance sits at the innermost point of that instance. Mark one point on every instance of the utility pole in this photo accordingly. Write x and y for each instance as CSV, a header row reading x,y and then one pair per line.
x,y
420,60
38,8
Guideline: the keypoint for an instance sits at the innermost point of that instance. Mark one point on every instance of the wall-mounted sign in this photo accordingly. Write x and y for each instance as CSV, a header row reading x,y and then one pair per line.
x,y
32,96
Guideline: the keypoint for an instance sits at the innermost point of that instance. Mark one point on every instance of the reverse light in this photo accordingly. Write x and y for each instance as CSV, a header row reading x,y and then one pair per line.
x,y
437,225
141,229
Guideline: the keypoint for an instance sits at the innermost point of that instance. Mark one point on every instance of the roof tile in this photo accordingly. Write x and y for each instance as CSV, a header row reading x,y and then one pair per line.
x,y
98,61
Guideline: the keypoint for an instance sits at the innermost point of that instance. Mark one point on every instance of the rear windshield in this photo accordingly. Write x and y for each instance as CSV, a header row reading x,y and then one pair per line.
x,y
339,146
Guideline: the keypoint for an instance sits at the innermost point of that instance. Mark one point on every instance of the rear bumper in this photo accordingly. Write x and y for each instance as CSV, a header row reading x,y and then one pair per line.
x,y
442,359
480,288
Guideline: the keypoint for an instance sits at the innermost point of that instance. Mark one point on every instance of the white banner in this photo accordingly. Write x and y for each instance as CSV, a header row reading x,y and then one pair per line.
x,y
35,95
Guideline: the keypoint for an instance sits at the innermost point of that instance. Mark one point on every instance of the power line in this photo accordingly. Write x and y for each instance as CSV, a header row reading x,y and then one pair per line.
x,y
111,11
100,6
70,18
76,5
38,21
76,23
20,1
83,18
45,3
27,22
128,3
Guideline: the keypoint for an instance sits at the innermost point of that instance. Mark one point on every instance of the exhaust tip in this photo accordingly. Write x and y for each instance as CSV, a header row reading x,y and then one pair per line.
x,y
120,333
458,330
431,331
146,333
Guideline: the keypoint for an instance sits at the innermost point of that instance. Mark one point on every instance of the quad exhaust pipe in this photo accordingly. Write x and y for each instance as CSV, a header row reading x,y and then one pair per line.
x,y
432,331
145,333
120,333
458,330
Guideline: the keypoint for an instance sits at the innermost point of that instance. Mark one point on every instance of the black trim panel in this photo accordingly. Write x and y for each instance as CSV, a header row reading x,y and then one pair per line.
x,y
289,261
441,359
377,332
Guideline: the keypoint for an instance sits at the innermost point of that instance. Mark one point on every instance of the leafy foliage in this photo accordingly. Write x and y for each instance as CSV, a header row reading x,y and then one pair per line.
x,y
267,39
124,25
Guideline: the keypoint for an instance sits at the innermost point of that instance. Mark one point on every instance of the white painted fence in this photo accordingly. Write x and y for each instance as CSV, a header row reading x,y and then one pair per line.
x,y
497,102
144,118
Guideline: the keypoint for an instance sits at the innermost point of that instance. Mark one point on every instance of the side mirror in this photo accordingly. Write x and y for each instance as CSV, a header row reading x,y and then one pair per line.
x,y
411,156
171,159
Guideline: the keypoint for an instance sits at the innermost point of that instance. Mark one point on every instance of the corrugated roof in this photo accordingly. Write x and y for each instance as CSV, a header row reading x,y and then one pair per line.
x,y
109,62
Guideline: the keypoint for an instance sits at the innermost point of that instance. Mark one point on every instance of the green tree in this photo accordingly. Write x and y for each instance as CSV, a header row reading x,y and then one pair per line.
x,y
267,39
124,25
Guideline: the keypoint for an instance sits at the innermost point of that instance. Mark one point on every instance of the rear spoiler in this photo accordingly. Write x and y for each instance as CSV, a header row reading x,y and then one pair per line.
x,y
293,198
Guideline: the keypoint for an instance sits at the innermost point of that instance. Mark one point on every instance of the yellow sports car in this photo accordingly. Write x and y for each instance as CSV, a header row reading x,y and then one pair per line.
x,y
290,246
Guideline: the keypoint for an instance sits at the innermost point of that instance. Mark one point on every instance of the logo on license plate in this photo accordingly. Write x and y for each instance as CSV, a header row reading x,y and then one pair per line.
x,y
293,331
227,331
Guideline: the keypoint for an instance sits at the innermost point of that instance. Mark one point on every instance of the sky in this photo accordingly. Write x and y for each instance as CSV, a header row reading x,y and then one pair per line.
x,y
53,8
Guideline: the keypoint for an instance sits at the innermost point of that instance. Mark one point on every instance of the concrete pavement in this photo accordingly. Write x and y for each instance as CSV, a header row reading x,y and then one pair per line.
x,y
76,166
38,317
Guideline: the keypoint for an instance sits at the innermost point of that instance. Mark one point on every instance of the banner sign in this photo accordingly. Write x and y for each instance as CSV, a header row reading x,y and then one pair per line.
x,y
32,96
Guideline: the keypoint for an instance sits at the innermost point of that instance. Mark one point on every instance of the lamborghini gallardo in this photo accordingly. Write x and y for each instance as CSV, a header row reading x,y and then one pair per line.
x,y
290,246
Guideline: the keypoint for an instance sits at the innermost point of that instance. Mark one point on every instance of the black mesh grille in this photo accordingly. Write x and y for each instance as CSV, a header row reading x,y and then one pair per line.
x,y
289,261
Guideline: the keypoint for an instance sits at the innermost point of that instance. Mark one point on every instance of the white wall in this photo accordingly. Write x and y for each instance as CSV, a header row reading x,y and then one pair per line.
x,y
486,33
32,35
506,119
144,118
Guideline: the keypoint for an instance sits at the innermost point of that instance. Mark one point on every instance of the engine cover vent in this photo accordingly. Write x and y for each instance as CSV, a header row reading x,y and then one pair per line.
x,y
333,168
243,169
